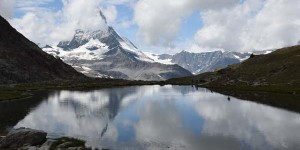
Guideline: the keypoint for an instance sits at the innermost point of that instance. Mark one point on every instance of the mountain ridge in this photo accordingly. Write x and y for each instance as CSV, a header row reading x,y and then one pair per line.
x,y
22,61
204,61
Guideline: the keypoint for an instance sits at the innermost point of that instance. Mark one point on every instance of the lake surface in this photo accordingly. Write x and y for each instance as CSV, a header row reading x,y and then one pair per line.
x,y
156,117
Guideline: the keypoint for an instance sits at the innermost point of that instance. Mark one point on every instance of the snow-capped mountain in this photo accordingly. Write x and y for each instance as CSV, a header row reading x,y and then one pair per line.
x,y
202,62
106,54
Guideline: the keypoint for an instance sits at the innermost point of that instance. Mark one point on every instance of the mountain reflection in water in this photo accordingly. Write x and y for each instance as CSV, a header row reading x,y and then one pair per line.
x,y
164,117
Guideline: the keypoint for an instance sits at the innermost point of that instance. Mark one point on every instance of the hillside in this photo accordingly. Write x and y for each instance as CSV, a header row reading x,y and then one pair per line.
x,y
278,69
22,61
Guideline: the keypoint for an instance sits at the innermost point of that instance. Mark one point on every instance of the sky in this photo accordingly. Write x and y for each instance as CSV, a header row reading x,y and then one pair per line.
x,y
163,26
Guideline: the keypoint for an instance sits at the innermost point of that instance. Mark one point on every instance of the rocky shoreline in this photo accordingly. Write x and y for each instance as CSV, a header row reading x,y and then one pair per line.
x,y
29,139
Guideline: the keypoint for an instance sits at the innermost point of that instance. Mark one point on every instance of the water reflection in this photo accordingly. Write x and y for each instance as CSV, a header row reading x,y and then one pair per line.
x,y
168,117
11,112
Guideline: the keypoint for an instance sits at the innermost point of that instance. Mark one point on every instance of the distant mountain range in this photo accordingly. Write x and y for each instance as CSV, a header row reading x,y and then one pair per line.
x,y
278,69
106,54
202,62
22,61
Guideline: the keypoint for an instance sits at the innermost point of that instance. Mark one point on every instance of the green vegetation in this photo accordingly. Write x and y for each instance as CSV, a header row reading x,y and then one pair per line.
x,y
6,94
66,142
25,90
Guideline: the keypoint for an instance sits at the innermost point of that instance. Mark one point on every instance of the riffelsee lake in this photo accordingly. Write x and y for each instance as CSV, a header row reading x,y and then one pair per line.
x,y
156,117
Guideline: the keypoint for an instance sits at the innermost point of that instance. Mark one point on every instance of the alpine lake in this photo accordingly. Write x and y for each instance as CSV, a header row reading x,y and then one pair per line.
x,y
155,117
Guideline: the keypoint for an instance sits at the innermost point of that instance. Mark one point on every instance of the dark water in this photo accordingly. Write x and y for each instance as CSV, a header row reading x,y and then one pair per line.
x,y
155,117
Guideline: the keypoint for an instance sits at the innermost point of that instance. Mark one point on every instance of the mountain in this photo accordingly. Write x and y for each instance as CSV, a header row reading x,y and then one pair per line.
x,y
202,62
104,53
277,69
22,61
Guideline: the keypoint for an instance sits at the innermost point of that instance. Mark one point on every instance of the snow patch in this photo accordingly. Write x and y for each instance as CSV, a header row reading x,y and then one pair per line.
x,y
82,52
268,52
155,58
128,46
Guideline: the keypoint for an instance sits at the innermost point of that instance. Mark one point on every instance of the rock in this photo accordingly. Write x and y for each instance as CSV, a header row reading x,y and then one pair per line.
x,y
47,144
29,139
21,137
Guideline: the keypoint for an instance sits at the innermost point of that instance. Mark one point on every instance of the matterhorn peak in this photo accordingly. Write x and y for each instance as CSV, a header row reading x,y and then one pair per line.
x,y
102,16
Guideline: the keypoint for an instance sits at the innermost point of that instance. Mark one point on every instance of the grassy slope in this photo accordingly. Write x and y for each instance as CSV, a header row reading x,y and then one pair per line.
x,y
275,72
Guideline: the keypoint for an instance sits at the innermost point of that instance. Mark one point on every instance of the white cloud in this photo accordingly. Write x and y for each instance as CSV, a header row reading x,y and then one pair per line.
x,y
45,26
111,13
34,27
121,2
6,8
228,24
159,21
30,3
253,25
84,14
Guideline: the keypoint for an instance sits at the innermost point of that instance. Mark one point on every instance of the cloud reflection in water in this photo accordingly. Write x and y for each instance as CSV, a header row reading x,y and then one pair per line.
x,y
168,117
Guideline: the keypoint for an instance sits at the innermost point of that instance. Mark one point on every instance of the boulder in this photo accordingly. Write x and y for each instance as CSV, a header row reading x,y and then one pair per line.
x,y
18,138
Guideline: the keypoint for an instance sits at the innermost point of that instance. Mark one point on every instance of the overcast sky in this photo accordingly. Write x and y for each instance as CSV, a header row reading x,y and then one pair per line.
x,y
163,26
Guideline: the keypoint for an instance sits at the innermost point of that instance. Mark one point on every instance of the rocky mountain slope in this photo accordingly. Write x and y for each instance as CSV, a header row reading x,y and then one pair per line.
x,y
203,62
279,68
22,61
106,54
